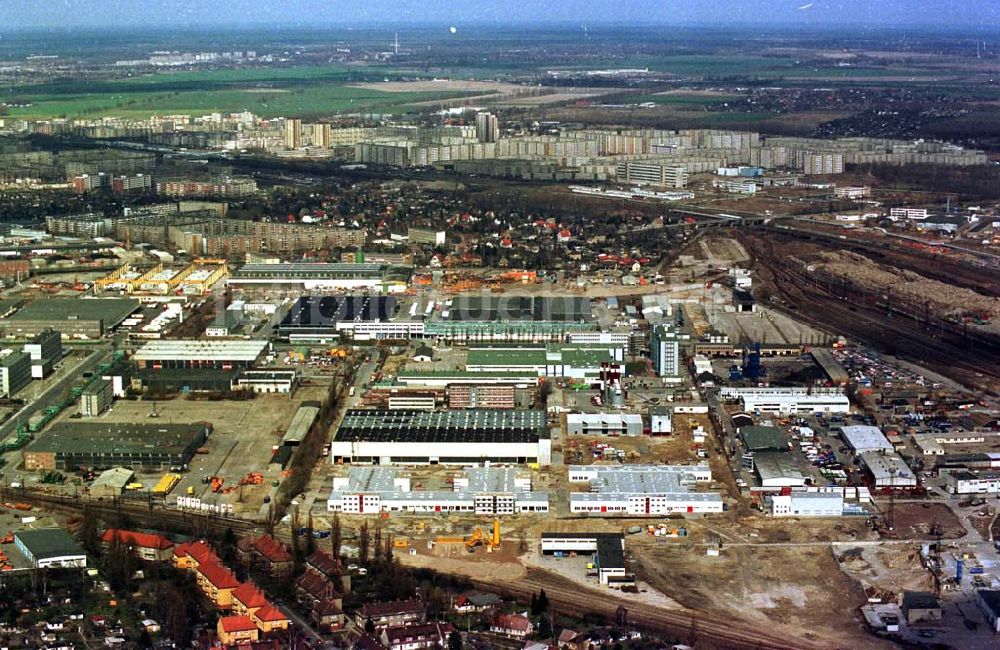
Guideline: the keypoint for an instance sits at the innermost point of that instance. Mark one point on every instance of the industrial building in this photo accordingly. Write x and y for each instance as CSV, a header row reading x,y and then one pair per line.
x,y
861,438
604,424
887,469
224,355
661,420
965,482
96,398
479,490
608,550
72,445
557,360
802,503
15,373
325,276
359,317
111,482
763,438
511,318
74,317
469,437
789,401
446,378
50,548
642,490
486,396
776,470
301,422
266,381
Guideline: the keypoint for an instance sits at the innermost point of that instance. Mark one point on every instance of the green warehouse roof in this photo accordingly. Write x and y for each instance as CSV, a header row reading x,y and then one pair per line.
x,y
764,438
49,542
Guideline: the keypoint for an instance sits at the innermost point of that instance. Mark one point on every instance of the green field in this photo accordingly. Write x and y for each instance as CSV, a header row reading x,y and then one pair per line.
x,y
685,99
313,91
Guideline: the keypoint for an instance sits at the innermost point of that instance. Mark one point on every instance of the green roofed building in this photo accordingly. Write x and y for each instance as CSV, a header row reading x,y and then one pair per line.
x,y
764,439
72,445
50,548
74,317
557,360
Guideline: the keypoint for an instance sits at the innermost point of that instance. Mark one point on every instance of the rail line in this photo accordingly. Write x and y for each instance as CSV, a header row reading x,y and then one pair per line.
x,y
681,624
904,336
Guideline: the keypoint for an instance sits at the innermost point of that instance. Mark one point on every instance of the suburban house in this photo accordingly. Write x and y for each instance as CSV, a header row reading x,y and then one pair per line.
x,y
148,547
512,625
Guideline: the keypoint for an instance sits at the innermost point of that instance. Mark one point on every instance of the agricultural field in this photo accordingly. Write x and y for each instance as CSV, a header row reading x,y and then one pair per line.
x,y
306,91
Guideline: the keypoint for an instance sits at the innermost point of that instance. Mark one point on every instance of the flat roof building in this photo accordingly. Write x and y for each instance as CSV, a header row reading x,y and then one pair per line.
x,y
468,437
164,354
72,445
888,470
642,490
789,401
74,317
50,548
802,503
608,550
604,424
482,491
861,438
15,373
757,438
330,276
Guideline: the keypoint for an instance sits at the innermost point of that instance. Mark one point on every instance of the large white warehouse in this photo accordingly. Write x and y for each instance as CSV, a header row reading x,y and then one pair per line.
x,y
789,401
642,490
482,491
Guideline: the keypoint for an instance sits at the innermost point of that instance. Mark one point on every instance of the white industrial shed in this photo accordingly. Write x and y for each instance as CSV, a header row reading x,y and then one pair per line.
x,y
789,401
807,504
775,469
861,438
888,470
604,424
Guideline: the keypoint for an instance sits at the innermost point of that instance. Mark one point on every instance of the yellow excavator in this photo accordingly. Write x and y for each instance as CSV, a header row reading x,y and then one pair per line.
x,y
477,538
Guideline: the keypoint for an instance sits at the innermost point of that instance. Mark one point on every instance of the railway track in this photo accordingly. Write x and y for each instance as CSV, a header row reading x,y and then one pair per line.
x,y
708,631
976,360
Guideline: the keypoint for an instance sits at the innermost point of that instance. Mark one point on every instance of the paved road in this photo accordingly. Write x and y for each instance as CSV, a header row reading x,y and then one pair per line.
x,y
55,392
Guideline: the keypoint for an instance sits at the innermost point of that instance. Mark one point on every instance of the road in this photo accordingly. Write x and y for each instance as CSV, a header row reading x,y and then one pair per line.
x,y
55,392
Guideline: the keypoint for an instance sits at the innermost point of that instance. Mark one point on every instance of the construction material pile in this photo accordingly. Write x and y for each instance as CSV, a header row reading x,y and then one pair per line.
x,y
945,300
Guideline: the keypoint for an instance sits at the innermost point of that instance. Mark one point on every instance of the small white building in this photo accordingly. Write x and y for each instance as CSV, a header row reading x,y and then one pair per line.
x,y
661,420
801,503
604,424
966,482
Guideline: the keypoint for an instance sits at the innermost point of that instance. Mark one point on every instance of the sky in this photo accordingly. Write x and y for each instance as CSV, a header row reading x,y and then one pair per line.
x,y
960,14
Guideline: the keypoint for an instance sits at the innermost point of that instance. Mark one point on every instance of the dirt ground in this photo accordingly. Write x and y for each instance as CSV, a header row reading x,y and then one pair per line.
x,y
800,589
895,568
915,520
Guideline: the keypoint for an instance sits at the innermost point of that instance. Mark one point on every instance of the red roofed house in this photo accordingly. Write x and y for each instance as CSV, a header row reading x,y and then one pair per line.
x,y
269,618
247,599
415,637
512,625
149,547
564,235
217,583
267,554
237,629
190,554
